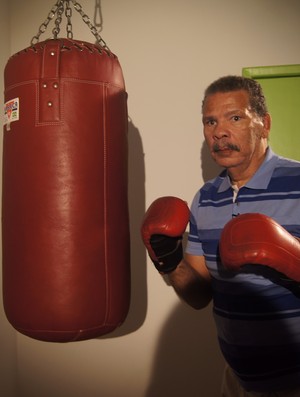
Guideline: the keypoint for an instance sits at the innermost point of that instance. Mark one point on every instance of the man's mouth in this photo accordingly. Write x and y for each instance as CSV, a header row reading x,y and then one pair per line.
x,y
224,147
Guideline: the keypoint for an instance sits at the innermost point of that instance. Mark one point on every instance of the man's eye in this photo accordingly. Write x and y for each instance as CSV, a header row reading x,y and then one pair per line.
x,y
210,122
236,118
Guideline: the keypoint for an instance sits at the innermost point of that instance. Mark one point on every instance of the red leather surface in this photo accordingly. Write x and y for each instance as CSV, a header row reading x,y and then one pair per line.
x,y
66,259
258,239
168,216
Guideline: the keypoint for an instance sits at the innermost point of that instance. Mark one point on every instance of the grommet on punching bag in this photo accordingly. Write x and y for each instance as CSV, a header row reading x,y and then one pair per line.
x,y
66,259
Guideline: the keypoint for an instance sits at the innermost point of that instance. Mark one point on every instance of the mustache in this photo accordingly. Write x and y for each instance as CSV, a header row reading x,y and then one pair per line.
x,y
219,147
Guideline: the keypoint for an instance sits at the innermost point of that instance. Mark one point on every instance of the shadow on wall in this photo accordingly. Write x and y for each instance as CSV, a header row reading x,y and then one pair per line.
x,y
209,168
136,197
188,361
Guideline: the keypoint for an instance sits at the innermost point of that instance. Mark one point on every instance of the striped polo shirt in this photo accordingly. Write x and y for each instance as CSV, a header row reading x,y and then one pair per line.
x,y
257,319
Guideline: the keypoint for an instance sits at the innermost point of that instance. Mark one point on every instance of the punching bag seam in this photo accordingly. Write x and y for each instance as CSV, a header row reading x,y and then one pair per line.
x,y
54,52
49,92
11,87
105,201
78,334
65,79
96,82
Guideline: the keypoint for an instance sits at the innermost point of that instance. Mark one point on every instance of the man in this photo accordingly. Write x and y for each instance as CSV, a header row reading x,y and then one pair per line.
x,y
256,311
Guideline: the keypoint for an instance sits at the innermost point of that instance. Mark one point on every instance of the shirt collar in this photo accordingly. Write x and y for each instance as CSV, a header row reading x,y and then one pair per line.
x,y
261,178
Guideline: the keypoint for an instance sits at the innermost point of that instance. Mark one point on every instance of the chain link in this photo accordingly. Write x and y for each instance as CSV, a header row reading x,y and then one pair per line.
x,y
58,20
87,21
45,24
58,10
68,14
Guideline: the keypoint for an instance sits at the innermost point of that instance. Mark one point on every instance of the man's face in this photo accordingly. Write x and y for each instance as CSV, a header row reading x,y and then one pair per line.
x,y
236,136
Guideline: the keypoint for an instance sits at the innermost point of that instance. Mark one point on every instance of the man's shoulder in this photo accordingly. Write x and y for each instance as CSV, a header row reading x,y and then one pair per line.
x,y
286,166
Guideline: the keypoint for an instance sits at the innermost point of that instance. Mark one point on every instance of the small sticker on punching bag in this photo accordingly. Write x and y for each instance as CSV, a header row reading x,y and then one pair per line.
x,y
11,112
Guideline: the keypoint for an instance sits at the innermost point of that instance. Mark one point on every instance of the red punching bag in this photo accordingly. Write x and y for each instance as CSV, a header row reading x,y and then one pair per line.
x,y
66,266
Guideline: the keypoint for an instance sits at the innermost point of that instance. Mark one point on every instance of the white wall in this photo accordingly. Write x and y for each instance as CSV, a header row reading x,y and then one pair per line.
x,y
170,50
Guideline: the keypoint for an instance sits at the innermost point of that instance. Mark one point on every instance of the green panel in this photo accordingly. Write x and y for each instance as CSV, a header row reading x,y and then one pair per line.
x,y
281,85
272,71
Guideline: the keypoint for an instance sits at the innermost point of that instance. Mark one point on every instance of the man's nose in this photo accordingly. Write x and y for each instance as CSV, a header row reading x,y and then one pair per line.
x,y
220,131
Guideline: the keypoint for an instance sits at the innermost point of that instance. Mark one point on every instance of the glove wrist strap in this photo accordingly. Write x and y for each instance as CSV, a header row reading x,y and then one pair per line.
x,y
167,263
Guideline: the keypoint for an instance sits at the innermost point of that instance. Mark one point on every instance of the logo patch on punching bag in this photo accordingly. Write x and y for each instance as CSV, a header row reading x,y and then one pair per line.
x,y
11,112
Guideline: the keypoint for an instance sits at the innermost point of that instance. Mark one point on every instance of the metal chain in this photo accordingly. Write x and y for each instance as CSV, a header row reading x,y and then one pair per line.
x,y
58,10
68,14
58,20
87,21
45,24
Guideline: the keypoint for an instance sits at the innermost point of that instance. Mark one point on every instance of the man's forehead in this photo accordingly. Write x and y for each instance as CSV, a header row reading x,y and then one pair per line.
x,y
225,100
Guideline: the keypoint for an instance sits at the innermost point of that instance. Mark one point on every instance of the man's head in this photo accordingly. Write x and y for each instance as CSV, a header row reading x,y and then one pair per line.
x,y
257,99
236,125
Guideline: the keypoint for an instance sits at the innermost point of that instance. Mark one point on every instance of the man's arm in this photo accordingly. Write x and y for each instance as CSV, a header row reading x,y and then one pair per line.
x,y
191,281
162,228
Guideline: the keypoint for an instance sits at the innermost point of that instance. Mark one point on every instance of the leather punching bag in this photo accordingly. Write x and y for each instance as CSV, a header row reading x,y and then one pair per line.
x,y
66,266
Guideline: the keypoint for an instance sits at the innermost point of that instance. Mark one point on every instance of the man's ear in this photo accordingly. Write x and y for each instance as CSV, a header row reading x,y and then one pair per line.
x,y
266,124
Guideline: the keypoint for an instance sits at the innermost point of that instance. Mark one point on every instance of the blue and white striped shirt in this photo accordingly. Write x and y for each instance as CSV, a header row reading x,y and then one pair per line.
x,y
258,321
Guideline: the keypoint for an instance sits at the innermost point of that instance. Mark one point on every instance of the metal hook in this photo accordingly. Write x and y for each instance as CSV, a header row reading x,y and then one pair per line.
x,y
98,19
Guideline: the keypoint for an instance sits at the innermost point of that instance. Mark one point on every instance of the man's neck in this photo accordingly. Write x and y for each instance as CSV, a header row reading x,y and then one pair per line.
x,y
240,175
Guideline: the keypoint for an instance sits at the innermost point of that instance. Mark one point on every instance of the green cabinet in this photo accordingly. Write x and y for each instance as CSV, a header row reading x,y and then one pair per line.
x,y
281,85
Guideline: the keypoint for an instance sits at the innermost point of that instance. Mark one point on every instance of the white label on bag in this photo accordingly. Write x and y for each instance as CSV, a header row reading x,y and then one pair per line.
x,y
11,112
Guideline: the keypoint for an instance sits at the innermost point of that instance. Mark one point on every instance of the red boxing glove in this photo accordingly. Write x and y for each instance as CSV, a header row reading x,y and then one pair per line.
x,y
257,239
162,227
